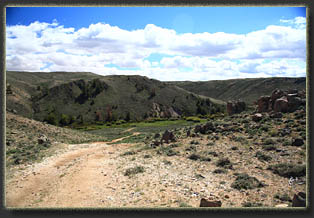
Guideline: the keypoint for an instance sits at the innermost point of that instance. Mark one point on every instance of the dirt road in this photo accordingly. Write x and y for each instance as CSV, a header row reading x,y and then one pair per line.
x,y
92,175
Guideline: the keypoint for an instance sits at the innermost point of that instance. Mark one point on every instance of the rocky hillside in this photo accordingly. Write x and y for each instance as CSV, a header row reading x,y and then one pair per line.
x,y
22,86
28,140
247,90
63,98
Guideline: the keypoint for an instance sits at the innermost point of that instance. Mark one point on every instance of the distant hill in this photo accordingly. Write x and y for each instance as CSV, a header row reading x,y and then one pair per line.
x,y
248,90
86,97
28,84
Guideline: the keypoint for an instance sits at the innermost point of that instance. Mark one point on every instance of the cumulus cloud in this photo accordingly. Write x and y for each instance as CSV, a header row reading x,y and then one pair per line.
x,y
274,51
297,22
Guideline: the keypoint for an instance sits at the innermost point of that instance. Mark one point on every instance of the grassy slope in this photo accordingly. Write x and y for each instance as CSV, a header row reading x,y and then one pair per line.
x,y
24,85
248,90
124,93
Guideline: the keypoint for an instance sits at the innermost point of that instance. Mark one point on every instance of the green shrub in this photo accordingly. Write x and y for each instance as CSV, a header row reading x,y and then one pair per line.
x,y
51,119
191,148
210,144
273,132
264,128
167,162
225,163
244,181
269,141
214,153
194,142
167,151
262,157
128,153
269,147
183,204
252,204
220,171
286,142
205,159
134,170
147,156
288,170
193,119
282,197
194,157
65,120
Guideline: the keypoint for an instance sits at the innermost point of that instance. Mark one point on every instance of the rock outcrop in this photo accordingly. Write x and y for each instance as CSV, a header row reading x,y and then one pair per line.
x,y
235,107
263,104
281,101
161,111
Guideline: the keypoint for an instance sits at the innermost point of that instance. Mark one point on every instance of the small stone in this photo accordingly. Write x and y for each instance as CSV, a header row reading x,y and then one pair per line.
x,y
282,205
257,117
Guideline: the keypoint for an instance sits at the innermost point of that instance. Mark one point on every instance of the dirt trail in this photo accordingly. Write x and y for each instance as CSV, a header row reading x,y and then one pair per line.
x,y
72,179
120,139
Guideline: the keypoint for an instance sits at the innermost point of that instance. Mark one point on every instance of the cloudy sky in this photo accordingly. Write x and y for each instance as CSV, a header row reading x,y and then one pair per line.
x,y
164,43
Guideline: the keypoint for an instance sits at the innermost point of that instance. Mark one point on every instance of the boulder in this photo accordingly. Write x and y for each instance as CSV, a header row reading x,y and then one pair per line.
x,y
234,107
292,91
43,139
257,117
284,132
188,133
155,144
210,203
275,115
277,93
281,105
157,135
204,129
297,142
299,200
167,136
294,102
263,104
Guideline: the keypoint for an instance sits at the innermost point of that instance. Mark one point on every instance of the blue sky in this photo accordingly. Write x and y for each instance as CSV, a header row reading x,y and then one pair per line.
x,y
165,43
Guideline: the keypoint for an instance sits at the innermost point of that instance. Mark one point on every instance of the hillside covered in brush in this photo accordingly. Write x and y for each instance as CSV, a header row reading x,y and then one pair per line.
x,y
85,97
248,90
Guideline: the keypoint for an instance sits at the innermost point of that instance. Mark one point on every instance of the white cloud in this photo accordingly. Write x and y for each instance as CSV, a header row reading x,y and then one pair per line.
x,y
208,55
297,22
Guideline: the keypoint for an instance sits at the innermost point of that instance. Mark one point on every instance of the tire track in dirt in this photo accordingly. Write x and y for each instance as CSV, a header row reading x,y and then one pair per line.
x,y
71,179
